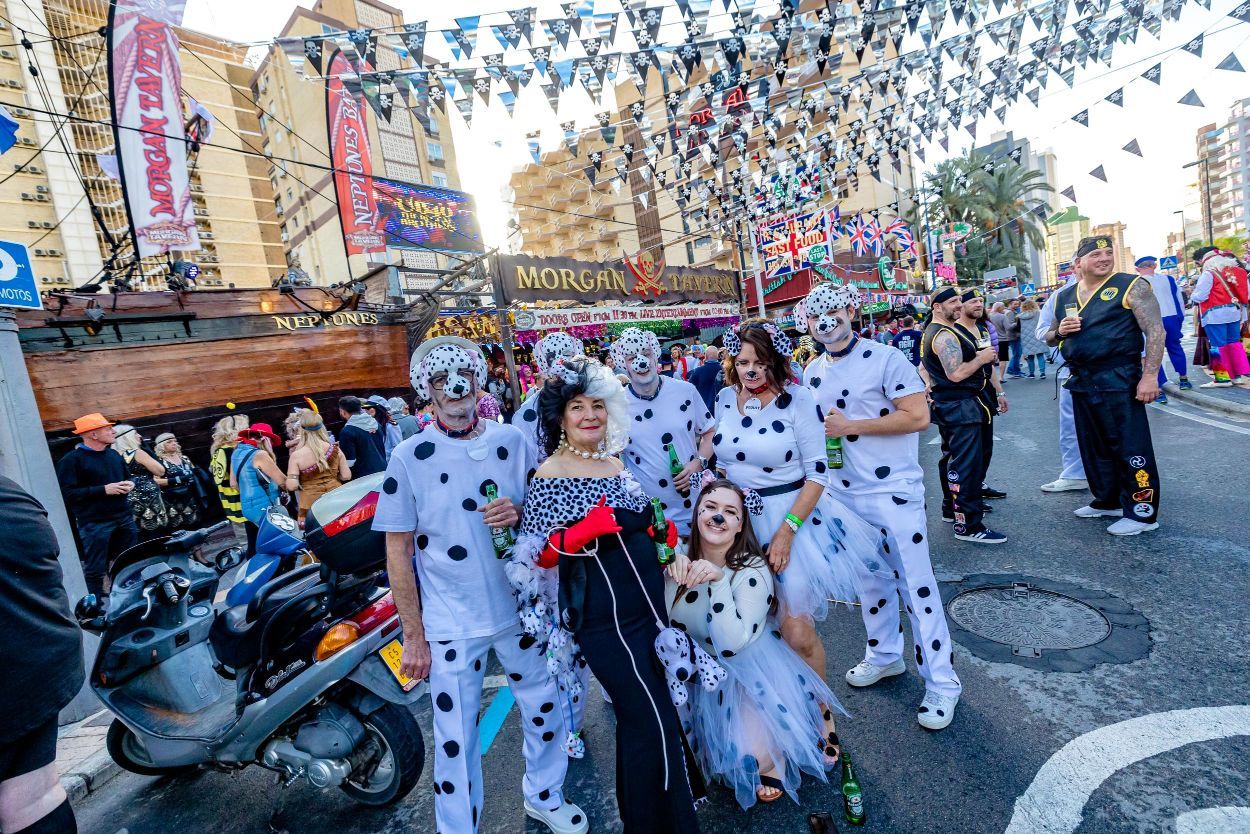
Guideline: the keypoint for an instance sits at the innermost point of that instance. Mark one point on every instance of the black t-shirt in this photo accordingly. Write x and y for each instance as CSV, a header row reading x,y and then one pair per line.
x,y
41,651
364,449
908,341
83,474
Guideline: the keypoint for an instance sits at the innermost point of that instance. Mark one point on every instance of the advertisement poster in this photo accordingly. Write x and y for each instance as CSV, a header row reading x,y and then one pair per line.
x,y
794,242
426,217
349,150
145,82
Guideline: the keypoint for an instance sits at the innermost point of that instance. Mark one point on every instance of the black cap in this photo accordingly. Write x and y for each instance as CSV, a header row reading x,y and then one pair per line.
x,y
1089,244
970,294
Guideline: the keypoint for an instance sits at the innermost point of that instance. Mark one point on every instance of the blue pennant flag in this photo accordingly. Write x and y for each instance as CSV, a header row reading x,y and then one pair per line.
x,y
8,130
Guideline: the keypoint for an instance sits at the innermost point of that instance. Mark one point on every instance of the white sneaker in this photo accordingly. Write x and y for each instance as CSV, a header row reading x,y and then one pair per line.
x,y
865,674
567,819
1131,527
1065,485
1242,381
1089,511
1223,383
936,711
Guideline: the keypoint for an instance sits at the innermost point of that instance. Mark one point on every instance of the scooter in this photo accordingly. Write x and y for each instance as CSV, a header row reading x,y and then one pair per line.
x,y
304,679
279,549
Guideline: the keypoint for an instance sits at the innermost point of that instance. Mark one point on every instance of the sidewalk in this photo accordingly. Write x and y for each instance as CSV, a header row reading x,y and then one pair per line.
x,y
81,759
1234,400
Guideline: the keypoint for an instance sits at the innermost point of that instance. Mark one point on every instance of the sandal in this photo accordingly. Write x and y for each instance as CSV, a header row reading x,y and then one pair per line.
x,y
769,783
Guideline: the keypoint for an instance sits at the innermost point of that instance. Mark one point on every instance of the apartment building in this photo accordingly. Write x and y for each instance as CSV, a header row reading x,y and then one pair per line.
x,y
1224,150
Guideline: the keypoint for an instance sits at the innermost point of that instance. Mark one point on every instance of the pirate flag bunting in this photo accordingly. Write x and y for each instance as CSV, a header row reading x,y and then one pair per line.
x,y
1133,148
312,52
1154,73
1116,97
1070,193
1099,173
463,38
413,39
1194,47
366,45
1191,98
1242,12
1231,63
1082,118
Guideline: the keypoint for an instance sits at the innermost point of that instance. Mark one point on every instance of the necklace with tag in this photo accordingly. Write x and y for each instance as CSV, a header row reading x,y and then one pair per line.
x,y
752,406
477,448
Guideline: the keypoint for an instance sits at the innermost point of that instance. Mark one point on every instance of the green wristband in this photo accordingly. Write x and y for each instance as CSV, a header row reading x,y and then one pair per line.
x,y
795,521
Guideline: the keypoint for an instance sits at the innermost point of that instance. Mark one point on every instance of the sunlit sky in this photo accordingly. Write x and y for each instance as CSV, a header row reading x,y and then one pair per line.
x,y
1143,192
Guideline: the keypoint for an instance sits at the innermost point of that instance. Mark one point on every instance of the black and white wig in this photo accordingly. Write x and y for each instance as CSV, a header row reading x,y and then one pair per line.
x,y
571,378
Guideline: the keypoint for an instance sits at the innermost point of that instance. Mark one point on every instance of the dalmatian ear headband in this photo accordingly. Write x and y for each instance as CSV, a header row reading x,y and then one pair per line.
x,y
781,342
568,368
552,347
450,357
751,499
632,342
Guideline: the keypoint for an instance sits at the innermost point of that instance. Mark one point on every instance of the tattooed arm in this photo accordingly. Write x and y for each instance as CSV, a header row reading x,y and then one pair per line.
x,y
951,356
1141,300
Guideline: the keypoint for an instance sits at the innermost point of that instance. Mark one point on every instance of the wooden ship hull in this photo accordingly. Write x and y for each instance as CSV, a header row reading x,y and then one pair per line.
x,y
171,361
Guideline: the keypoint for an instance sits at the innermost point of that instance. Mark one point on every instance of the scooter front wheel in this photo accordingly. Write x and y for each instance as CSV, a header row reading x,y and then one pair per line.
x,y
128,751
400,762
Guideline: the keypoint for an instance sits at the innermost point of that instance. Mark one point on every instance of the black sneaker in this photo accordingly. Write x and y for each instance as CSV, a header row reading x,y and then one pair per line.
x,y
948,518
989,492
986,536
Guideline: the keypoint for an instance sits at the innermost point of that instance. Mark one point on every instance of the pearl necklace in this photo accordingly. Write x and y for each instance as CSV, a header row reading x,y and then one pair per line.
x,y
565,446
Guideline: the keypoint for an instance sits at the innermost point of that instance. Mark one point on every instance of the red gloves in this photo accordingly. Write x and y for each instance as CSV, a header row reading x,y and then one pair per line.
x,y
671,533
600,520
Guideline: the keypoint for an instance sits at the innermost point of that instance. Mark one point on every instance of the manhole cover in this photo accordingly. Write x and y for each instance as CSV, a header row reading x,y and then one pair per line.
x,y
1041,623
1024,616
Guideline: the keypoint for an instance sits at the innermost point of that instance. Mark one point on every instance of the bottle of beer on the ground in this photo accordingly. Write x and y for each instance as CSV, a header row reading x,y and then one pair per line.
x,y
833,451
675,467
852,796
659,533
500,537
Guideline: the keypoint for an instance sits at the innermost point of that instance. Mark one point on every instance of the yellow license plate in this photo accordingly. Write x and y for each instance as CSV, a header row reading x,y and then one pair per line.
x,y
391,654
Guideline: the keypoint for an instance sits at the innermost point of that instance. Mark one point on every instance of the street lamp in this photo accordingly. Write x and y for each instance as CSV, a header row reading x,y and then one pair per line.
x,y
1184,243
1205,162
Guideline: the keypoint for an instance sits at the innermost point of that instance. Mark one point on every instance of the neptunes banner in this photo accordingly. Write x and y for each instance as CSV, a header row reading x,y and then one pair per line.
x,y
349,149
146,92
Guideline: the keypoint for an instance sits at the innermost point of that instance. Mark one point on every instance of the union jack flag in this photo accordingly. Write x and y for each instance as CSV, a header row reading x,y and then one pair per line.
x,y
902,231
858,232
873,236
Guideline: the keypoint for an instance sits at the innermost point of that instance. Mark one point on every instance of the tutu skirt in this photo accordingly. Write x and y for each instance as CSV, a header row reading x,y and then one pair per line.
x,y
769,709
830,556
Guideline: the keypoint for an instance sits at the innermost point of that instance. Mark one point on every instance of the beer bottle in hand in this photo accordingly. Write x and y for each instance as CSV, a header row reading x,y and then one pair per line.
x,y
852,796
675,467
659,534
500,537
833,452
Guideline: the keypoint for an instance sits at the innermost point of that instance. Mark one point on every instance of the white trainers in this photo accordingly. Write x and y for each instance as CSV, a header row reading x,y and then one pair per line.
x,y
1065,485
567,819
865,674
1221,383
936,711
1089,511
1131,527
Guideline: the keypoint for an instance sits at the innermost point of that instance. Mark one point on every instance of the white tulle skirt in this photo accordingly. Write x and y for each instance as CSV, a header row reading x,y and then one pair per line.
x,y
769,709
830,557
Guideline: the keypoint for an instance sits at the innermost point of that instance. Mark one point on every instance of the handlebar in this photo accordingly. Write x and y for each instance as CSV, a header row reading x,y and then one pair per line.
x,y
171,594
191,539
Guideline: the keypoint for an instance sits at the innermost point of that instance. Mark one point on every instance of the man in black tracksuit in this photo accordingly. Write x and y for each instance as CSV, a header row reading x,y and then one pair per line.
x,y
1100,321
958,368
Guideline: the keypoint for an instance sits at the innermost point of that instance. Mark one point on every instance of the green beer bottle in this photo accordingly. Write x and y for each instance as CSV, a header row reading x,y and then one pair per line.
x,y
675,467
659,534
852,796
833,451
500,537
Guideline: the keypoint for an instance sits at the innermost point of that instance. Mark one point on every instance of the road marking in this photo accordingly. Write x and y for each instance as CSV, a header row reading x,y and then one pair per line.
x,y
1198,418
492,720
1222,820
1054,801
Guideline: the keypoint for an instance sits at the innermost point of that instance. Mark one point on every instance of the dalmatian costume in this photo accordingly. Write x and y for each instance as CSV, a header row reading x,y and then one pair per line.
x,y
547,350
433,488
769,705
674,415
882,481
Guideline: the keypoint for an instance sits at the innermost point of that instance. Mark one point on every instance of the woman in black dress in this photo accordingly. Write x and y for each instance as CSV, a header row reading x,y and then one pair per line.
x,y
586,515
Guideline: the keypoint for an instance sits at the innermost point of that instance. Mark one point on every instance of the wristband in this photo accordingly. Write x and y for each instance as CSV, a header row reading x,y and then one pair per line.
x,y
794,522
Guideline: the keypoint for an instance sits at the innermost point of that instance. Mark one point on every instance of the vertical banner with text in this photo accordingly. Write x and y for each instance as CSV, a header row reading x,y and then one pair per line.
x,y
349,150
145,81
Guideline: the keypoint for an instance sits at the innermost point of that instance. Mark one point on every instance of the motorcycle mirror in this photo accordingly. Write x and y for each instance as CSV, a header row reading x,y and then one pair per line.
x,y
228,559
89,612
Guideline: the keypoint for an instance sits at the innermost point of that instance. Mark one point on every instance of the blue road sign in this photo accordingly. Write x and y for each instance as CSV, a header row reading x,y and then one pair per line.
x,y
1167,262
17,279
1028,289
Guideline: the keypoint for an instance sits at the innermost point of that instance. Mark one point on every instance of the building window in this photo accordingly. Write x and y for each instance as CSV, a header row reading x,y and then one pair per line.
x,y
434,150
438,178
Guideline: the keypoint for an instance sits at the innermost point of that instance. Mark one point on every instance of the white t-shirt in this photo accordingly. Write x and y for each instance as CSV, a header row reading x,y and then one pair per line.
x,y
433,487
863,385
1167,294
676,415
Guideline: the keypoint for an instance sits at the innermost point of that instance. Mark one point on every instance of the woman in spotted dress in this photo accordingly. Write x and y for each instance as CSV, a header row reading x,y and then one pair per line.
x,y
586,516
755,732
770,439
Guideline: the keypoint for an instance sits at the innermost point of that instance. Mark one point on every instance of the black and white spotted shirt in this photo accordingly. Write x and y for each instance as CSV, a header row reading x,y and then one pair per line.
x,y
558,502
781,443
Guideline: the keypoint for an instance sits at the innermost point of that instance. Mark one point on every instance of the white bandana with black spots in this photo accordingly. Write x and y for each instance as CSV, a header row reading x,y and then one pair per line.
x,y
462,367
636,351
553,346
820,305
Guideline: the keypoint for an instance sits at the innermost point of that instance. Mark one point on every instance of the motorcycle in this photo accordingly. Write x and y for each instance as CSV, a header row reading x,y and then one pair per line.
x,y
303,679
279,549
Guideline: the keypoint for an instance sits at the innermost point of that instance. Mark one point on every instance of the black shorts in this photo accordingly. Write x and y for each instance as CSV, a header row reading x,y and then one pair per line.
x,y
29,752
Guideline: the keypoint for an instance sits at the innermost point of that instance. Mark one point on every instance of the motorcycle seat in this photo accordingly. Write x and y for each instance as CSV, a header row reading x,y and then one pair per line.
x,y
236,633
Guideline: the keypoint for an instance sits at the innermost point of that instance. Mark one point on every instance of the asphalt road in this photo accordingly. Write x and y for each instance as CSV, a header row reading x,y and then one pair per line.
x,y
1191,579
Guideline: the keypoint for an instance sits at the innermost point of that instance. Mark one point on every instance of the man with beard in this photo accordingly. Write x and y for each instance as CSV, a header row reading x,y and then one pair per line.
x,y
958,366
669,422
972,320
434,509
547,350
1100,322
874,399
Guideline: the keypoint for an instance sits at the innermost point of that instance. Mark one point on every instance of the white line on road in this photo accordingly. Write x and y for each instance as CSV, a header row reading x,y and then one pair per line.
x,y
1198,418
1054,801
1223,820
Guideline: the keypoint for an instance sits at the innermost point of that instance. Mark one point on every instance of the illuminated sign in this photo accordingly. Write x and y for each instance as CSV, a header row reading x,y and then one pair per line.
x,y
426,217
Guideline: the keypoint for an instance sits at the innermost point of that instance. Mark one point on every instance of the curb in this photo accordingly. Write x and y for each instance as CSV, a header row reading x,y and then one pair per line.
x,y
1214,403
90,776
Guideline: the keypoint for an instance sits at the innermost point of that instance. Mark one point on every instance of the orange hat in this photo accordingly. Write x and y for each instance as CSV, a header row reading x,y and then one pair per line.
x,y
90,422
